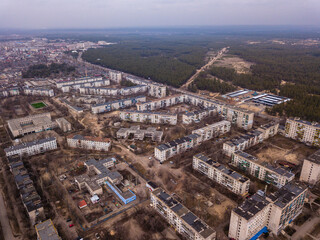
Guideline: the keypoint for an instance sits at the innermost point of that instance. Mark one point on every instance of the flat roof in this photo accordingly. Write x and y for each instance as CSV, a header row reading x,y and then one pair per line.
x,y
47,231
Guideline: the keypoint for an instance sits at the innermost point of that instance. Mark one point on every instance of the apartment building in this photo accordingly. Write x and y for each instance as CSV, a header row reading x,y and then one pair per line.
x,y
213,130
197,116
78,81
277,176
272,212
32,148
117,104
179,217
68,87
31,124
64,125
140,134
221,174
93,183
269,129
9,92
303,131
238,116
114,91
28,194
72,108
310,172
37,91
243,142
148,117
89,143
172,148
46,231
115,76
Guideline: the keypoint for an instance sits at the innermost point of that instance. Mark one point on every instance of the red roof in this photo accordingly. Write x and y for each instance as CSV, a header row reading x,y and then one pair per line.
x,y
82,204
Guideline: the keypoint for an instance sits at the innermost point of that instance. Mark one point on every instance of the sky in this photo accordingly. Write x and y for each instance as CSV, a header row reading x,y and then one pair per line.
x,y
47,14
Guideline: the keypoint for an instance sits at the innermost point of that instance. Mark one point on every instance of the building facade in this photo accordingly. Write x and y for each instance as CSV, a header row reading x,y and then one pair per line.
x,y
39,92
221,174
140,134
197,116
179,217
148,117
89,143
310,172
114,91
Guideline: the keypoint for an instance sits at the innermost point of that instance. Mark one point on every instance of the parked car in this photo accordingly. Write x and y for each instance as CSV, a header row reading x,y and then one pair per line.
x,y
71,225
69,220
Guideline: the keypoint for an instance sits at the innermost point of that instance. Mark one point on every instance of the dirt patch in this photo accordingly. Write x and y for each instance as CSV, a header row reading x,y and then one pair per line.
x,y
235,62
220,210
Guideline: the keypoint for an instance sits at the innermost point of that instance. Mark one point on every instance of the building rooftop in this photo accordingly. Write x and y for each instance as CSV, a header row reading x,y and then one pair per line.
x,y
29,144
88,138
315,157
118,101
47,231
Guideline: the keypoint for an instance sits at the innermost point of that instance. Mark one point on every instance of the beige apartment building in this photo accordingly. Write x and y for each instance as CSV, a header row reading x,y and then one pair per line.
x,y
310,172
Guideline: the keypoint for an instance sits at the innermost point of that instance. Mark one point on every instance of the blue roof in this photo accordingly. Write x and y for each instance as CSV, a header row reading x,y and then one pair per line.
x,y
258,234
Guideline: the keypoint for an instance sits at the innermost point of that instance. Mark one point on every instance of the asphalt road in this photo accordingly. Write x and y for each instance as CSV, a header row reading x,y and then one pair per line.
x,y
5,221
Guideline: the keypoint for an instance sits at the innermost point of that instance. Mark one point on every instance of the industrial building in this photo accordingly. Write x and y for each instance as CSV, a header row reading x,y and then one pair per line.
x,y
46,231
221,174
38,91
310,172
117,104
197,116
140,134
179,217
303,131
273,212
32,148
277,176
268,99
148,117
88,142
172,148
31,124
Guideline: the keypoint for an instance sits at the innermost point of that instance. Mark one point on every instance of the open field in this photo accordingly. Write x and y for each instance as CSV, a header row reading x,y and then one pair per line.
x,y
235,62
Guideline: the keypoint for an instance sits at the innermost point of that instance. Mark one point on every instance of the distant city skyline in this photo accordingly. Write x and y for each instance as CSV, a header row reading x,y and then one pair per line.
x,y
47,14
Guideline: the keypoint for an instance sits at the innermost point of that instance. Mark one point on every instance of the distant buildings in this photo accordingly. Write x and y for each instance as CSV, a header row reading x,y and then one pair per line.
x,y
114,91
117,104
172,148
303,131
31,124
47,231
66,86
10,92
38,91
179,217
140,134
197,116
277,176
32,148
273,212
221,174
148,117
89,143
310,172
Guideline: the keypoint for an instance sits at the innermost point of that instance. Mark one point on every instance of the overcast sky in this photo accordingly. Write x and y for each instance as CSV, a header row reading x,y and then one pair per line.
x,y
139,13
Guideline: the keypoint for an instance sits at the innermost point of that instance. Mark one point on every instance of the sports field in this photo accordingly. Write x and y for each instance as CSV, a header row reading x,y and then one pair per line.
x,y
38,105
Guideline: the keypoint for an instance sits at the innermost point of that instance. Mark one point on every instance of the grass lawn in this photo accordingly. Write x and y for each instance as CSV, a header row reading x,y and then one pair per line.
x,y
38,105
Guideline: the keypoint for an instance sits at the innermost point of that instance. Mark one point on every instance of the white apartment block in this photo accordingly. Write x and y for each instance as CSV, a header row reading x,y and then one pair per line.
x,y
269,129
78,81
89,143
241,117
172,148
63,124
113,91
78,86
31,124
272,212
117,104
221,174
197,116
39,92
179,217
303,131
277,176
148,117
140,134
32,148
115,76
310,172
243,142
10,92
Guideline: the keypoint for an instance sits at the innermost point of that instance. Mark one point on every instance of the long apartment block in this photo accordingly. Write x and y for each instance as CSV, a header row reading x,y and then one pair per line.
x,y
310,172
88,142
78,81
117,104
303,131
148,117
32,148
277,176
272,212
37,91
140,134
113,91
221,174
180,218
238,116
31,124
172,148
78,86
197,116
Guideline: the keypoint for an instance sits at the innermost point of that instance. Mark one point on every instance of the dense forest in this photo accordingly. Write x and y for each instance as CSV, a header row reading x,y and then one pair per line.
x,y
42,70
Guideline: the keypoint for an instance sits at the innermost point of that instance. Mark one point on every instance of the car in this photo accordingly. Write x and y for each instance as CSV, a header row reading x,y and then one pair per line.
x,y
69,220
71,225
